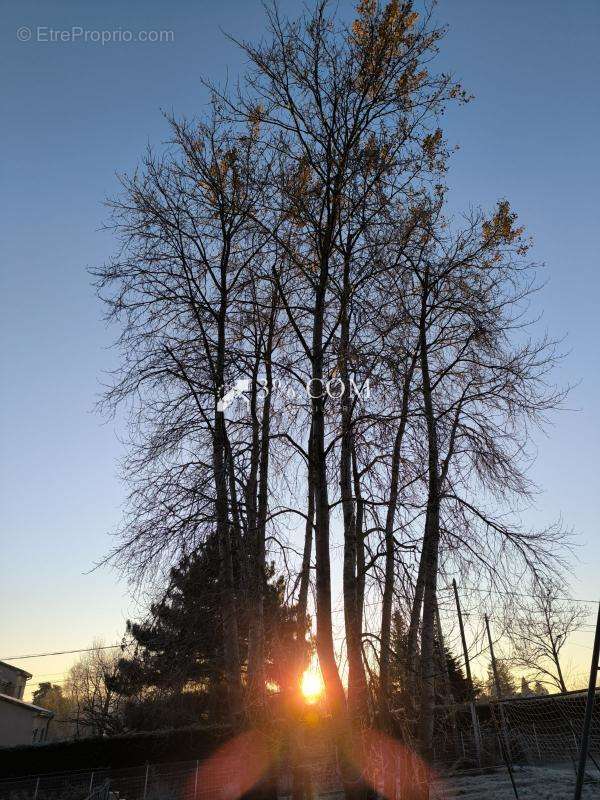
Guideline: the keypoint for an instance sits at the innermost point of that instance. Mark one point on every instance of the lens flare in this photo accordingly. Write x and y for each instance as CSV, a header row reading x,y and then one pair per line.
x,y
311,684
390,767
233,769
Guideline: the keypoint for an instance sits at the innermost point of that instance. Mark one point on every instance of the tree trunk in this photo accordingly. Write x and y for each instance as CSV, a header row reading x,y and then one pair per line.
x,y
304,577
360,543
429,556
325,644
307,551
259,506
388,586
231,653
357,683
415,618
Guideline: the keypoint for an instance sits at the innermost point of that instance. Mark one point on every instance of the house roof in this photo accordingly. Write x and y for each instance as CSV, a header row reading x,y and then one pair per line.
x,y
6,698
15,669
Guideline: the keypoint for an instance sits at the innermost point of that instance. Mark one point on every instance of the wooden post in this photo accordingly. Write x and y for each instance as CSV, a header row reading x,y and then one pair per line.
x,y
463,638
589,707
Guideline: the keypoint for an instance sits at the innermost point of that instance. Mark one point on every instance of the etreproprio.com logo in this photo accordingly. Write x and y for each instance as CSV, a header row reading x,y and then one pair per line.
x,y
79,34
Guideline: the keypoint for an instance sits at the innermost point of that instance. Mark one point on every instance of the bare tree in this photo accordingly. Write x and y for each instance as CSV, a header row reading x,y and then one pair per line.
x,y
94,704
481,390
539,630
189,247
348,110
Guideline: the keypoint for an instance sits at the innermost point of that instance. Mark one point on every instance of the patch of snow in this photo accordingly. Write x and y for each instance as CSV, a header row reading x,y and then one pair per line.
x,y
533,783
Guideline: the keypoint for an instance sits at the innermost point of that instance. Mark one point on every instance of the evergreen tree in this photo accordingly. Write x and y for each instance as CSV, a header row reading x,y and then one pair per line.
x,y
177,672
506,679
399,678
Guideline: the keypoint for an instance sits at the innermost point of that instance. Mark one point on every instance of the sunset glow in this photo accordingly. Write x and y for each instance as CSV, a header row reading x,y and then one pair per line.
x,y
311,684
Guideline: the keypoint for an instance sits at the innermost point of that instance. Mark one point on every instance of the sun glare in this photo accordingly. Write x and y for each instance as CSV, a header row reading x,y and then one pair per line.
x,y
312,684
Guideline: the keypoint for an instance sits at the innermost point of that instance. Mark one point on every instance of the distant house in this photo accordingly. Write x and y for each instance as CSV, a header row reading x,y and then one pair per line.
x,y
20,722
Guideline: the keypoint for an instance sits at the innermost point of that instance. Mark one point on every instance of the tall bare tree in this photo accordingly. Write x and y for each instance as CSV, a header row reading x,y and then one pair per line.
x,y
348,110
188,249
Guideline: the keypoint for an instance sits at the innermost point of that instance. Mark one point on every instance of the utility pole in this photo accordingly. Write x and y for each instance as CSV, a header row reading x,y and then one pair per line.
x,y
446,678
463,638
589,707
493,659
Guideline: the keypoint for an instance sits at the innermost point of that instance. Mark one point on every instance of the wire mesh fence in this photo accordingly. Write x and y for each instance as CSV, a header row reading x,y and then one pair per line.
x,y
523,747
173,781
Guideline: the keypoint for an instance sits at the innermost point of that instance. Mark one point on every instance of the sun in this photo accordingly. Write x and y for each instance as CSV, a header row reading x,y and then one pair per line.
x,y
311,684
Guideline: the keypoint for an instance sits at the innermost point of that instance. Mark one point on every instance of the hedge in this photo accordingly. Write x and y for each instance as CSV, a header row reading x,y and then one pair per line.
x,y
112,752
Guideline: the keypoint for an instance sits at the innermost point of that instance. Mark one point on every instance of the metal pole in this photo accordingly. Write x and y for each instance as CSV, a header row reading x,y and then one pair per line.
x,y
91,783
37,787
463,638
196,781
589,707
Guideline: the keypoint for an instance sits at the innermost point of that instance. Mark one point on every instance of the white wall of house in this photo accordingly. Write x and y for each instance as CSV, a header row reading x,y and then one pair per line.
x,y
18,723
12,680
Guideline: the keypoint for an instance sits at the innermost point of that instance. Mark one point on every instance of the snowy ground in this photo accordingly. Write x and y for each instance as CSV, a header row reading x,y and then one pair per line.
x,y
533,783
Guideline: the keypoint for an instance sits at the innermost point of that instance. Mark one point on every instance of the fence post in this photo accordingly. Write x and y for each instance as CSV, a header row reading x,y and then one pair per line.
x,y
196,780
589,707
463,638
146,781
91,782
37,787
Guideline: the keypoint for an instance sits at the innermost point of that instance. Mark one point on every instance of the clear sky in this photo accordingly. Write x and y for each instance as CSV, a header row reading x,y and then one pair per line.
x,y
76,112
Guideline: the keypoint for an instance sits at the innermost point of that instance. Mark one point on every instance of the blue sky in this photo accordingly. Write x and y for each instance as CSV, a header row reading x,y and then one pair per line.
x,y
75,113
